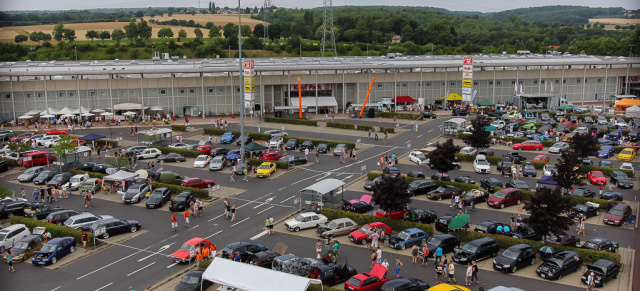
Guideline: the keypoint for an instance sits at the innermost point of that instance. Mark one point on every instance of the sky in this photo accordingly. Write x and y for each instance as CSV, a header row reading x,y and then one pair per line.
x,y
455,5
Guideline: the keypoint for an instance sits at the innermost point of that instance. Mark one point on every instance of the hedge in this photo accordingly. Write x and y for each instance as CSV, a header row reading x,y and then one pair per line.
x,y
12,163
386,129
362,219
291,121
341,125
588,256
258,162
54,229
318,287
178,127
410,116
184,152
365,127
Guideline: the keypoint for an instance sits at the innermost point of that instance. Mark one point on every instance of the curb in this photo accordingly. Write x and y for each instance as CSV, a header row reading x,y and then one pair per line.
x,y
170,278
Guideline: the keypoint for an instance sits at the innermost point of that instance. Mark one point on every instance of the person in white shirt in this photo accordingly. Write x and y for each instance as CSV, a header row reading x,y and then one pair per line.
x,y
386,265
591,281
468,281
379,256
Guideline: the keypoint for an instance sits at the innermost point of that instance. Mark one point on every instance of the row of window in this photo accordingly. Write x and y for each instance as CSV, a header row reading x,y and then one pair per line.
x,y
498,83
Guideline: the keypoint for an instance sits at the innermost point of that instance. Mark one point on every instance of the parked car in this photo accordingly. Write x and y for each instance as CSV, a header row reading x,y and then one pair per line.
x,y
476,250
59,179
469,151
100,168
420,215
41,211
529,170
549,169
442,224
91,184
446,241
113,226
339,149
488,226
149,153
201,161
518,184
244,249
276,142
246,139
465,179
481,165
12,234
603,271
391,213
627,154
182,201
323,148
446,191
26,247
505,197
54,250
620,179
362,205
541,158
560,264
217,163
504,166
307,144
617,215
490,184
588,209
263,258
416,174
360,236
135,193
171,158
611,195
293,144
479,195
628,166
417,187
525,232
59,217
332,273
266,169
305,220
369,185
191,282
407,238
227,137
271,156
601,244
564,240
418,157
158,197
528,145
606,152
596,178
393,172
218,152
486,152
405,284
516,157
197,183
582,192
45,176
11,208
31,173
336,227
76,180
368,281
514,258
275,132
79,221
189,249
440,177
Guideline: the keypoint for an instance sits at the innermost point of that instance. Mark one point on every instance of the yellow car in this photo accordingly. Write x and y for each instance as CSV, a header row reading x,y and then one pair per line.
x,y
266,169
627,154
514,114
448,287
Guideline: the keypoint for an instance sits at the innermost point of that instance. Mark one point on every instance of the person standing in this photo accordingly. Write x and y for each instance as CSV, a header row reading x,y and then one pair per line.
x,y
591,282
414,254
186,218
23,193
233,174
226,202
451,269
375,237
378,256
35,195
513,221
336,246
84,238
398,267
482,288
271,223
228,209
374,257
439,273
317,157
10,261
438,255
385,264
200,207
467,281
425,255
174,222
233,213
474,274
318,249
306,153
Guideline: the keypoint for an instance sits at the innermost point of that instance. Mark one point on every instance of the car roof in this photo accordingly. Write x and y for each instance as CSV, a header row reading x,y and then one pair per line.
x,y
509,190
412,230
308,214
603,263
82,215
481,240
487,222
57,240
443,236
194,240
520,247
11,227
108,220
340,220
620,206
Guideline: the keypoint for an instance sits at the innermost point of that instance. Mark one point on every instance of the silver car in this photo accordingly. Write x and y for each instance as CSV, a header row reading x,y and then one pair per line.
x,y
217,164
559,147
30,174
85,219
339,149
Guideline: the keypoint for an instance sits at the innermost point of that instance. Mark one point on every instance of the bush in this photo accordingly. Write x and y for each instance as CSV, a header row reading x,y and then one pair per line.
x,y
184,152
291,121
54,229
258,162
410,116
205,264
176,189
386,129
340,125
178,127
12,163
365,127
362,219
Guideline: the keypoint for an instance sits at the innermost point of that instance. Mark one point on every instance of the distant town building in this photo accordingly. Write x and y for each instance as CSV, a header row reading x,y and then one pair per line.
x,y
396,39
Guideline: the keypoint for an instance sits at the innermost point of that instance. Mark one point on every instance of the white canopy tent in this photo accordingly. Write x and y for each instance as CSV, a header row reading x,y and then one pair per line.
x,y
81,109
120,176
128,106
49,111
313,103
633,111
249,277
66,111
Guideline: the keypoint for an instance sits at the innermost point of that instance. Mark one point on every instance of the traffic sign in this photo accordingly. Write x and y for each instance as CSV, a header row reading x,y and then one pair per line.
x,y
364,167
358,141
467,83
468,60
100,231
86,154
248,64
215,188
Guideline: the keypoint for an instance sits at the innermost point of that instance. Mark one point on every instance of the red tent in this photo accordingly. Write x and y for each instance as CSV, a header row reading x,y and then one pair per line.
x,y
404,99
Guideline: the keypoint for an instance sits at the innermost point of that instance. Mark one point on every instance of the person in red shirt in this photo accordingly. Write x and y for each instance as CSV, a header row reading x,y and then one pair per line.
x,y
186,218
174,222
85,239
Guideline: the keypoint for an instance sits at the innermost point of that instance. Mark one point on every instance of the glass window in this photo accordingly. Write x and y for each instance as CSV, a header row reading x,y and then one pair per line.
x,y
535,82
40,95
61,94
181,91
29,95
498,83
163,92
72,94
192,91
490,82
513,82
475,83
92,93
428,84
453,83
210,90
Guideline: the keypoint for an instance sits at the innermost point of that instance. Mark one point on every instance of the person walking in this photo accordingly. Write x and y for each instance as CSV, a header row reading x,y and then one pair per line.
x,y
336,246
425,255
385,264
354,155
398,267
318,249
10,261
474,274
317,157
451,269
306,154
438,255
186,218
378,256
233,174
369,136
374,257
224,209
84,238
246,174
206,252
375,237
467,280
266,226
23,193
199,257
174,222
439,273
414,254
228,211
233,213
35,195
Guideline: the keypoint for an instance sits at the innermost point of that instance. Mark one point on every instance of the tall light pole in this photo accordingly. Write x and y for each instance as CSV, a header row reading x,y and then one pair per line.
x,y
631,49
152,52
229,55
367,50
76,51
300,50
241,83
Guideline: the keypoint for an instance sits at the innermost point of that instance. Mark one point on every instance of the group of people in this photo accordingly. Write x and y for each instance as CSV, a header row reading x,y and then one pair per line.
x,y
387,161
351,153
461,204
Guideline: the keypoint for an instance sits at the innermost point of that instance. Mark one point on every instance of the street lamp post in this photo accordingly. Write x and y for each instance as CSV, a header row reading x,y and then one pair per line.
x,y
300,50
242,108
631,49
152,52
229,55
367,50
76,51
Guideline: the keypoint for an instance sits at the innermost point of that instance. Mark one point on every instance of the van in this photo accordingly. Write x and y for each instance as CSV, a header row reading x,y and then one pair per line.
x,y
11,235
169,177
476,250
40,158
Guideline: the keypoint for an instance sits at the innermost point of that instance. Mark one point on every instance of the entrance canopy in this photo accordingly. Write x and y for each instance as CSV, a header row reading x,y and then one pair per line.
x,y
405,99
92,136
128,106
311,102
326,193
451,126
249,277
453,97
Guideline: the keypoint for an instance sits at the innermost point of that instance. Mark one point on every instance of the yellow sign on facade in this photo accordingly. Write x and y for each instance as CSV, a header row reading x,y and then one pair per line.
x,y
249,84
466,83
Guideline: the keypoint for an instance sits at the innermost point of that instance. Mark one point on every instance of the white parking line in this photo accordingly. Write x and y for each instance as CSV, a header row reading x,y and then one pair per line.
x,y
108,265
190,228
169,266
216,217
282,188
283,201
265,209
105,286
407,142
241,221
138,270
419,136
347,177
430,130
213,234
259,235
56,288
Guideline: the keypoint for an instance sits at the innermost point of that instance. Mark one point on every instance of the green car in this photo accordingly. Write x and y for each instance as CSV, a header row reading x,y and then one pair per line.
x,y
92,184
529,126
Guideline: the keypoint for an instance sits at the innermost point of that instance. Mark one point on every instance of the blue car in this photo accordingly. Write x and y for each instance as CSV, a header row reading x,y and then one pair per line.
x,y
606,152
606,142
227,137
407,238
54,250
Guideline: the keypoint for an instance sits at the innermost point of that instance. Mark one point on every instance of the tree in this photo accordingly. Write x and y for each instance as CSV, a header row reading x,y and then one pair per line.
x,y
391,193
35,36
214,31
209,25
44,36
252,43
479,137
58,32
547,207
568,172
246,30
230,31
165,33
133,53
63,148
275,31
117,35
144,31
442,158
182,34
198,33
91,34
258,30
588,145
19,146
20,38
139,14
131,31
70,34
104,35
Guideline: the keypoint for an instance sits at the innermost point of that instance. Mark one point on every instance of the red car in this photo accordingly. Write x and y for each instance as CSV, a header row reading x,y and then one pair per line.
x,y
368,281
528,145
205,149
505,197
361,236
271,156
53,131
393,214
542,158
617,215
197,183
564,240
189,249
519,120
597,178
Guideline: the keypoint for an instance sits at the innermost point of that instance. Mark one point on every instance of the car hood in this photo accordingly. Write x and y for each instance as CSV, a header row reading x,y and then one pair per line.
x,y
291,222
130,195
462,253
186,286
263,171
180,254
358,234
41,255
494,199
394,239
18,252
612,217
25,175
154,200
502,260
548,267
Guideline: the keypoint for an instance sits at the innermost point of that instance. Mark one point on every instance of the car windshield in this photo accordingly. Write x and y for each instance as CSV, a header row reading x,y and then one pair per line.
x,y
331,225
597,174
511,254
48,248
529,167
292,141
481,227
626,152
30,171
21,245
499,195
156,195
186,247
200,159
180,198
133,190
414,184
433,241
520,183
190,279
94,226
482,162
595,269
274,139
76,179
469,248
265,167
440,189
353,281
218,159
616,212
555,261
403,235
590,245
365,228
300,218
551,167
58,178
581,207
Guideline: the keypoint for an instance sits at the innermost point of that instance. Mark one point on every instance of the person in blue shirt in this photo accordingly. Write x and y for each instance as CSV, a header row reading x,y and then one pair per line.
x,y
506,230
438,254
237,257
499,229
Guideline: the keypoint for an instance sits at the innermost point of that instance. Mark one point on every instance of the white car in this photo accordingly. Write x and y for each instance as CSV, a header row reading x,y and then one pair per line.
x,y
481,165
201,161
178,145
275,132
42,141
499,124
581,130
305,220
12,234
469,151
628,166
418,157
84,219
150,153
549,169
76,181
620,123
52,143
11,156
597,109
602,120
558,147
276,142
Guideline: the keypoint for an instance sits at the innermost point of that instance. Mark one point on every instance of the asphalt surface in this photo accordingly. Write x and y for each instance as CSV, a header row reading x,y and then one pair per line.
x,y
143,260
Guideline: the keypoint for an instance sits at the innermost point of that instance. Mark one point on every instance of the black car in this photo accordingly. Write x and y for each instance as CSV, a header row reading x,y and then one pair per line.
x,y
219,152
582,192
420,215
620,179
45,176
476,250
246,139
158,197
11,208
525,232
59,217
428,114
514,258
515,157
182,201
488,226
84,166
113,226
246,249
442,224
603,272
446,191
479,195
171,158
42,210
293,160
332,273
560,264
420,187
465,179
490,184
263,259
60,179
529,170
100,168
405,284
440,177
459,112
601,244
504,166
292,144
191,282
447,242
587,210
611,195
323,148
307,144
416,174
634,135
369,185
486,152
518,184
393,171
4,166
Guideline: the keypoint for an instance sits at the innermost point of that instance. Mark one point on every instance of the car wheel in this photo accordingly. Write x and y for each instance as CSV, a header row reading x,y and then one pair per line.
x,y
501,206
439,198
515,268
617,275
364,241
54,260
559,276
72,249
518,202
296,229
519,148
537,149
598,213
134,228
